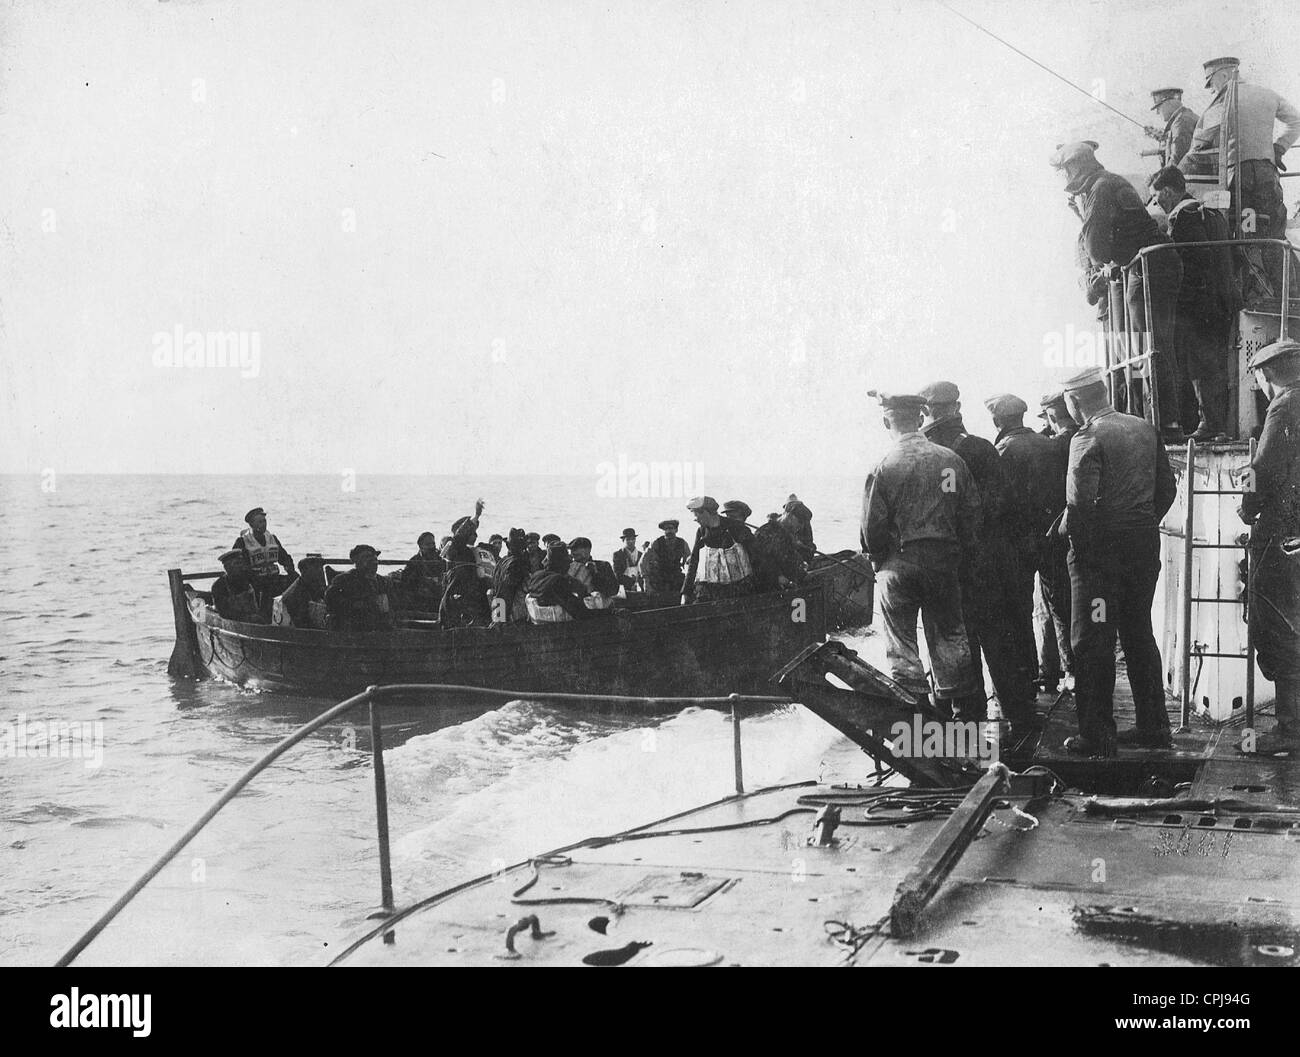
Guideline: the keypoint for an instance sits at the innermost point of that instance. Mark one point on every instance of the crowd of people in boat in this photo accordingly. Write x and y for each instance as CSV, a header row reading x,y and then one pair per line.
x,y
522,577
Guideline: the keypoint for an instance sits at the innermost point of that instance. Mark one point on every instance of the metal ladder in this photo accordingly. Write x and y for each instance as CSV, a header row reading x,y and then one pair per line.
x,y
1190,546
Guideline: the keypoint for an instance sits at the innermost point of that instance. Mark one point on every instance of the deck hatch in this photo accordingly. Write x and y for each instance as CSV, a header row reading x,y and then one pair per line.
x,y
682,891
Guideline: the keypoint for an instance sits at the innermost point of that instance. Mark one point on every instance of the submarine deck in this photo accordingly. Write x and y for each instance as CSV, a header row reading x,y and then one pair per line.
x,y
1047,880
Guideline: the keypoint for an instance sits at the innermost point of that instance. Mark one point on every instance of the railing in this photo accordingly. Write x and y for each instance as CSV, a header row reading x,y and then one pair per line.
x,y
1118,302
373,695
315,557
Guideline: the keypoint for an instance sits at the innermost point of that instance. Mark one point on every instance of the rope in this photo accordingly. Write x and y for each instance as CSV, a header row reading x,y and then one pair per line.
x,y
1041,66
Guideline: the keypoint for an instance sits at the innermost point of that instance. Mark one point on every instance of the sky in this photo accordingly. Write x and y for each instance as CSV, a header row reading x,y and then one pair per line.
x,y
541,237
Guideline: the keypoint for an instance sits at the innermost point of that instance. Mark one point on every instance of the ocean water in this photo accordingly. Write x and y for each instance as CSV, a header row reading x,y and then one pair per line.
x,y
288,869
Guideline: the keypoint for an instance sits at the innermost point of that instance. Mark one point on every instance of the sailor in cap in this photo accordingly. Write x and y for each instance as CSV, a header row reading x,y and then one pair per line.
x,y
1180,122
423,574
1032,468
1272,509
1250,113
627,562
1118,487
1206,300
1057,414
265,553
596,576
1116,226
356,601
663,563
988,596
233,594
721,565
920,514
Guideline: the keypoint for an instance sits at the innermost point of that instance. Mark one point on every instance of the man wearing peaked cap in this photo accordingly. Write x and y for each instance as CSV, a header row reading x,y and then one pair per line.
x,y
265,554
987,588
1272,509
1085,379
941,393
1180,122
233,596
357,600
919,519
1207,300
1057,415
1255,154
1030,461
1005,405
1115,228
1076,152
898,401
663,563
1118,488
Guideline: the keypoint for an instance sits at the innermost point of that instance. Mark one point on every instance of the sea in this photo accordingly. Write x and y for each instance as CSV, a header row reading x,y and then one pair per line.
x,y
290,868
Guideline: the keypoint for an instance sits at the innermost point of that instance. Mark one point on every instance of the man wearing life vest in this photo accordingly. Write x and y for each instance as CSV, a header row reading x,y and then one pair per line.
x,y
266,554
720,565
233,596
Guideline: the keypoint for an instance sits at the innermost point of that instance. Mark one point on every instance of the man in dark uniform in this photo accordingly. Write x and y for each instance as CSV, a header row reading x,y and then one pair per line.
x,y
464,597
357,600
1116,225
1118,488
778,559
1180,122
535,551
1271,506
512,572
1206,299
552,586
664,561
988,592
920,513
1028,459
1249,113
595,575
1053,572
422,576
233,596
